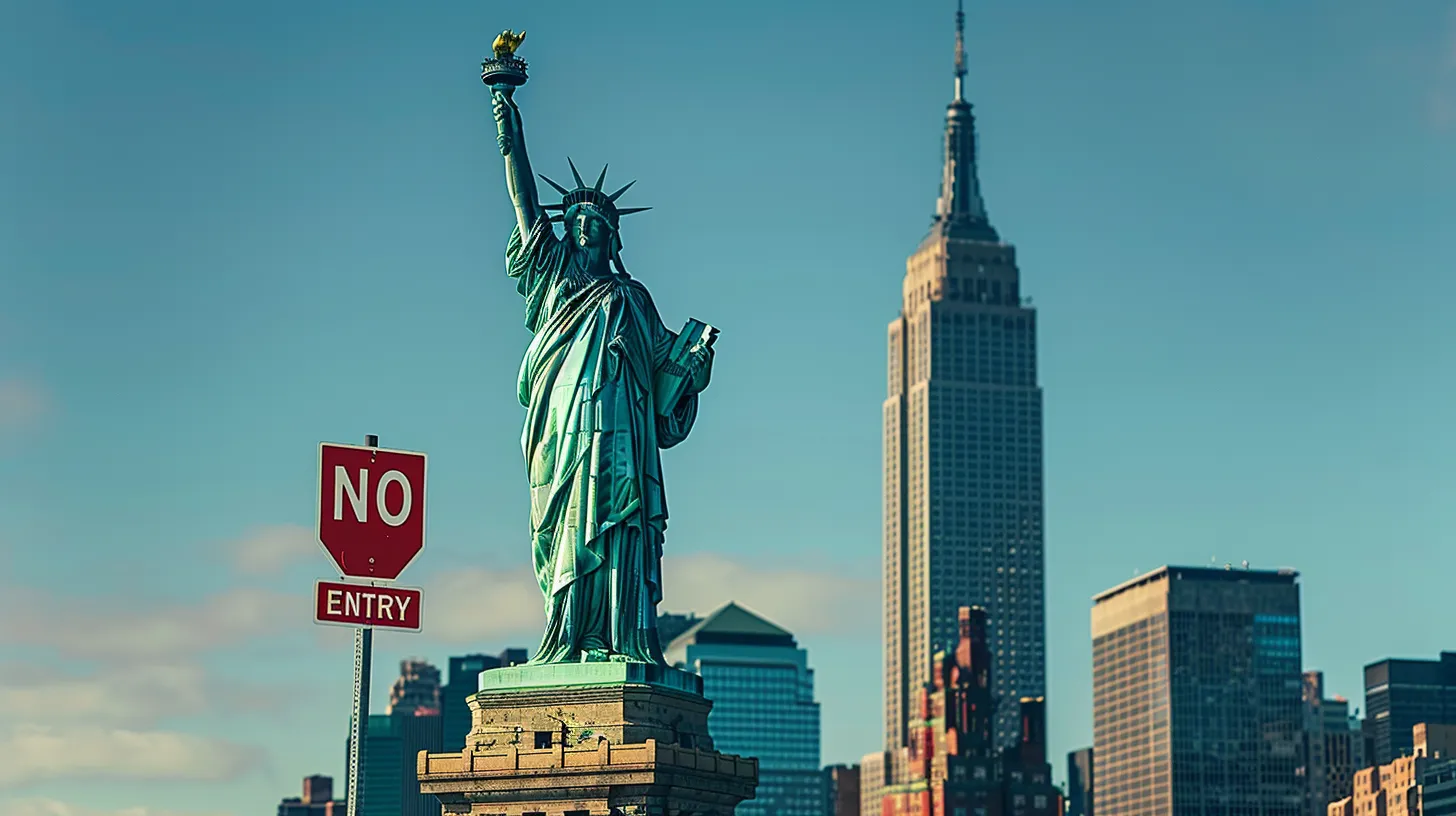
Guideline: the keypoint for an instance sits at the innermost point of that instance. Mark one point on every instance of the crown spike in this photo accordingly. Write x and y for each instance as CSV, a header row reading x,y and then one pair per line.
x,y
558,187
600,179
960,51
618,194
630,210
579,183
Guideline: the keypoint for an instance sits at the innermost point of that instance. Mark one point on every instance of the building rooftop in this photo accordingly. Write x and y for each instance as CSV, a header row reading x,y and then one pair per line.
x,y
1283,575
734,624
1436,672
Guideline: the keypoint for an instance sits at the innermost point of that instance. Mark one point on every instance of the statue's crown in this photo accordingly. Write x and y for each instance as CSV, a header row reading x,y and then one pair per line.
x,y
593,197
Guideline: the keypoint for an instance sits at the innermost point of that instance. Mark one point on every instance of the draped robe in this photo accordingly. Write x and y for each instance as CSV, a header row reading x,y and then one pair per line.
x,y
591,441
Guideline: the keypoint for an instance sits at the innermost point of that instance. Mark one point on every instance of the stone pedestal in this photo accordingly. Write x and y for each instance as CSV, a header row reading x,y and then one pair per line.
x,y
589,739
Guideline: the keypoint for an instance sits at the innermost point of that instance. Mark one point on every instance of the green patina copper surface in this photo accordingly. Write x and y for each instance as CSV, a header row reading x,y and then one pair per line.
x,y
606,385
610,673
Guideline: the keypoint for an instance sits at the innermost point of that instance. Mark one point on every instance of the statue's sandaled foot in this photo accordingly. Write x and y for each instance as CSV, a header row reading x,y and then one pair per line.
x,y
620,658
594,656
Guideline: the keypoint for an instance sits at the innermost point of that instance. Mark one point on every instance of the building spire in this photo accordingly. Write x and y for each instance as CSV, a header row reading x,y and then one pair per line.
x,y
960,212
960,54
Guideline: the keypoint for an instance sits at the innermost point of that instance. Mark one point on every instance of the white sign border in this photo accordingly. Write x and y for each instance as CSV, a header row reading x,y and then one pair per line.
x,y
318,587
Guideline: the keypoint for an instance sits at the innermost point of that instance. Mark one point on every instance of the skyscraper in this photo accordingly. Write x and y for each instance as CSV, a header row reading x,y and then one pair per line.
x,y
963,502
1401,693
1438,788
1196,694
1081,787
762,691
1333,747
672,624
387,782
843,793
414,709
416,689
381,768
317,800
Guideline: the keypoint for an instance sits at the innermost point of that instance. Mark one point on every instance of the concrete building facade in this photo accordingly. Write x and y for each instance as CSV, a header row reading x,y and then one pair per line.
x,y
842,783
588,738
878,771
1420,783
317,800
1196,690
1333,746
963,473
1434,740
1392,789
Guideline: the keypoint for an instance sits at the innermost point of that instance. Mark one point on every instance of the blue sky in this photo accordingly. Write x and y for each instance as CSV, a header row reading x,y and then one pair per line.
x,y
230,231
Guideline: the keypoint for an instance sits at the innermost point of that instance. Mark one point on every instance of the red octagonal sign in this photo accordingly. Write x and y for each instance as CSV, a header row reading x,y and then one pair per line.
x,y
371,511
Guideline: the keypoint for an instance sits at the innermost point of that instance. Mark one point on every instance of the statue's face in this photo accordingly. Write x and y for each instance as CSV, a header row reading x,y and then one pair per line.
x,y
589,230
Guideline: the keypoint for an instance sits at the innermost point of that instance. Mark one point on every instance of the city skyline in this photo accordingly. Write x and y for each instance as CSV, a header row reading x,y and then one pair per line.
x,y
1232,220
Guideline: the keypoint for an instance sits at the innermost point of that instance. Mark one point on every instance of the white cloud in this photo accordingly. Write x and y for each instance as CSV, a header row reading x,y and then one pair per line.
x,y
475,605
56,726
126,696
137,695
21,403
118,718
268,550
33,753
110,628
52,807
481,605
804,601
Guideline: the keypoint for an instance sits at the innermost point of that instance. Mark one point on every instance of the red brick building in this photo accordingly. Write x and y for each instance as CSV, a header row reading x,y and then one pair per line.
x,y
318,799
954,768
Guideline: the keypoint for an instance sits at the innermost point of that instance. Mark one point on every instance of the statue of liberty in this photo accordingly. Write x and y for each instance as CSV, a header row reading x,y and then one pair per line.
x,y
605,386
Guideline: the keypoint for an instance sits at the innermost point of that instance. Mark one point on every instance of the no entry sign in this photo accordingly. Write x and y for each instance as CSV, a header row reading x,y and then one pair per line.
x,y
371,511
346,604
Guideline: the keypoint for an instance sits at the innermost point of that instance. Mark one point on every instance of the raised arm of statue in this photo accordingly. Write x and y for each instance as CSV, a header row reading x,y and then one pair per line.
x,y
520,182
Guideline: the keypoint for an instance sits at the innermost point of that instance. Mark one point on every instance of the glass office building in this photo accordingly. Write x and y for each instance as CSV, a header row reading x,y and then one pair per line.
x,y
1401,693
1197,694
464,681
381,768
763,706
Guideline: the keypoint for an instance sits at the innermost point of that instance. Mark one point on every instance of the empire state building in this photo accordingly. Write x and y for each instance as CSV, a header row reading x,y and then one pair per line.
x,y
963,483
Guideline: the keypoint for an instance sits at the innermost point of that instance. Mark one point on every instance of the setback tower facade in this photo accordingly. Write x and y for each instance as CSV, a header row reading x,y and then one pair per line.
x,y
963,503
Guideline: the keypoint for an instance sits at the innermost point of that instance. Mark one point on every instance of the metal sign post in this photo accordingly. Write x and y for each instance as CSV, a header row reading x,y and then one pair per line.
x,y
359,723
